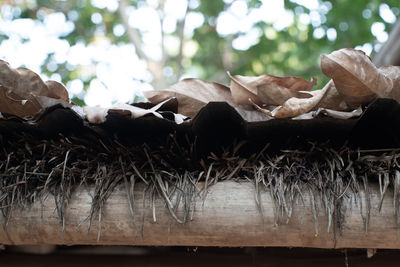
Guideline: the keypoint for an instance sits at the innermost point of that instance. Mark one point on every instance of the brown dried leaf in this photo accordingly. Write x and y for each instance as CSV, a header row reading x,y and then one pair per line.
x,y
57,90
24,93
8,75
393,72
294,106
268,89
29,83
244,89
17,107
332,99
192,95
356,78
279,89
23,83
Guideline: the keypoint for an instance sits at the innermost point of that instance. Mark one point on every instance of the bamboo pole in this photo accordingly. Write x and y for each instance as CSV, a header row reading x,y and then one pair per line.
x,y
228,217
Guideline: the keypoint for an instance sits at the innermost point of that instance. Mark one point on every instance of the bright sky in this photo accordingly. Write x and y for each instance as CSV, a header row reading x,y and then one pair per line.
x,y
121,75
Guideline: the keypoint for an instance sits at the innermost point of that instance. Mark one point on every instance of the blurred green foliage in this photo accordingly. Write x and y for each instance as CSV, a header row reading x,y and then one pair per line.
x,y
292,51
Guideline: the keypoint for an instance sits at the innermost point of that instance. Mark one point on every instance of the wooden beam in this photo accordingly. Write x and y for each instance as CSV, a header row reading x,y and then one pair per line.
x,y
228,217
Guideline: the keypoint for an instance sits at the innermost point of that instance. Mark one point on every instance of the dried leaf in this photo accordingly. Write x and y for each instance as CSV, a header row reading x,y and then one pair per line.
x,y
192,95
29,83
8,75
99,114
268,89
254,115
17,107
23,83
393,72
95,114
356,78
57,90
296,106
277,90
340,114
244,89
332,99
24,94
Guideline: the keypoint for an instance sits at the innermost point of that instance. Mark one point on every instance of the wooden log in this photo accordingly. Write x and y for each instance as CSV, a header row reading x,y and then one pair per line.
x,y
228,217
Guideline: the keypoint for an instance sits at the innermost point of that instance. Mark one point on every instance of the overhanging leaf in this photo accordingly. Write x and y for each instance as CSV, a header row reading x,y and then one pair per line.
x,y
192,95
355,77
17,107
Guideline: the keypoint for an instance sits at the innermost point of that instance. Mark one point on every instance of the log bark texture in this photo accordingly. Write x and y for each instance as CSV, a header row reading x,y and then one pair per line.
x,y
228,217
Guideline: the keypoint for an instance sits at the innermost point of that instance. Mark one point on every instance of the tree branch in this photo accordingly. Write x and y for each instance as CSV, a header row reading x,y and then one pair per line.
x,y
181,36
164,55
133,34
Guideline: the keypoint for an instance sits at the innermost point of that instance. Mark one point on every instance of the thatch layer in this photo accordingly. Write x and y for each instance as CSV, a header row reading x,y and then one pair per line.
x,y
173,161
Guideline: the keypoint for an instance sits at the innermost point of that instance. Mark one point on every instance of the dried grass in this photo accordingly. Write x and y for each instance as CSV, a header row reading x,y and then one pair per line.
x,y
31,169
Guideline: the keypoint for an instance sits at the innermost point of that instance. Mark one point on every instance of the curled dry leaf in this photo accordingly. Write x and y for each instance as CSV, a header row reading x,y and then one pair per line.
x,y
340,114
29,83
8,75
393,72
356,78
57,90
294,106
268,89
332,99
17,107
24,93
244,89
192,95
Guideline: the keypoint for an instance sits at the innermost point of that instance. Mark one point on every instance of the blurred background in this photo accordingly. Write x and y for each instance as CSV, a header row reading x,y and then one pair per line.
x,y
108,51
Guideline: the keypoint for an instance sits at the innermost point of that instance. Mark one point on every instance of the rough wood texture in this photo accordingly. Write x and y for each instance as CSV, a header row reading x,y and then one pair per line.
x,y
228,217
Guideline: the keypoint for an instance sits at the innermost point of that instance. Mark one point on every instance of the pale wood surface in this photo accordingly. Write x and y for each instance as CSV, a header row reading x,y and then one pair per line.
x,y
229,217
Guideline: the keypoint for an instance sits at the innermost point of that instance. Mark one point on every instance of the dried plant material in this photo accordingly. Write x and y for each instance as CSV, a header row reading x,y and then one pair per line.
x,y
24,94
340,114
192,95
356,78
98,114
268,89
95,114
332,99
297,106
393,72
244,89
8,75
254,115
29,83
263,110
276,90
135,112
274,94
17,107
57,90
